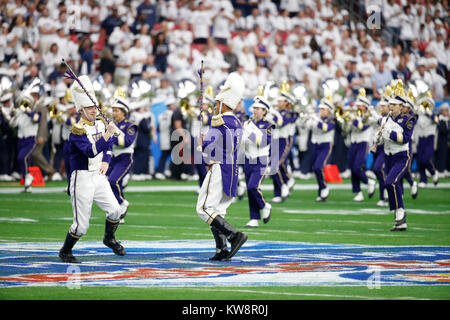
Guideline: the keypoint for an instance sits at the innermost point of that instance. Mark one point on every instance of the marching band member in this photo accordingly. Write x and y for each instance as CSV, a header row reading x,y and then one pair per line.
x,y
396,134
70,117
442,146
220,147
322,137
26,119
360,135
123,149
57,120
90,146
409,109
280,179
378,166
240,113
426,130
256,138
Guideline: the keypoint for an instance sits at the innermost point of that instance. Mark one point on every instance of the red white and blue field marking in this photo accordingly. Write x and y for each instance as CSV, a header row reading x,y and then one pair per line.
x,y
258,263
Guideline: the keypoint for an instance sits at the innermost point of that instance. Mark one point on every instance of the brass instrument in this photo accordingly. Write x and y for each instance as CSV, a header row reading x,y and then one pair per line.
x,y
25,106
427,105
187,109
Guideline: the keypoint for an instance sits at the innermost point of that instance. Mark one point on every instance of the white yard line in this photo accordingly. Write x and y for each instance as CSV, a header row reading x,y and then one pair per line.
x,y
302,294
194,188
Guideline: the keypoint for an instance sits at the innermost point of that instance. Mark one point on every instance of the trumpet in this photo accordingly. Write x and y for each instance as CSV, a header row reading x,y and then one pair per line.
x,y
25,105
187,110
347,115
54,113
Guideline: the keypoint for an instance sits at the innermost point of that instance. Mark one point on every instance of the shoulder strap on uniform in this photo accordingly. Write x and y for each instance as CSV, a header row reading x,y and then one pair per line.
x,y
217,121
78,128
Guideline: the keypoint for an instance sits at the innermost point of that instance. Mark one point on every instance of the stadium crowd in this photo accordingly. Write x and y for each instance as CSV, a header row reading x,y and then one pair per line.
x,y
163,42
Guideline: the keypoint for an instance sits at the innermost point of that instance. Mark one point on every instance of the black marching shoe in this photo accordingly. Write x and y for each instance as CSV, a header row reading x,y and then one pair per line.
x,y
236,238
65,254
109,239
236,243
221,255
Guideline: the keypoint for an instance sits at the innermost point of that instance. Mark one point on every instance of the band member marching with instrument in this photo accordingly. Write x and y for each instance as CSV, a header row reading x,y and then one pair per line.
x,y
322,137
360,136
26,118
427,128
90,146
280,180
409,108
123,149
396,131
378,166
257,135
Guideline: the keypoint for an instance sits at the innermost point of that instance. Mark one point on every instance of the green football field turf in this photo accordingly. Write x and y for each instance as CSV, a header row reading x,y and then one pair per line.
x,y
172,216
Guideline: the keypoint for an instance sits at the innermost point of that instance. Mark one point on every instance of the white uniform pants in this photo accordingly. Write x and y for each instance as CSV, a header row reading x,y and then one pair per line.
x,y
87,187
212,201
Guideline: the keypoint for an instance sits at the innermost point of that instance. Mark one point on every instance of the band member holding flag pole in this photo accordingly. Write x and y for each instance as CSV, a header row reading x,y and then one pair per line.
x,y
90,146
220,150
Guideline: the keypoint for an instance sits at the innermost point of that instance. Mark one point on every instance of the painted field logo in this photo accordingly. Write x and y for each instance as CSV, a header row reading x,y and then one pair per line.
x,y
185,263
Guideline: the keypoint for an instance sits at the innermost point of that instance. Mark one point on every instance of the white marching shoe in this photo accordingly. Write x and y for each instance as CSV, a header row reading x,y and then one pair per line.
x,y
284,191
253,223
160,176
400,220
266,211
277,200
359,197
436,178
27,182
241,188
382,203
123,210
324,193
422,185
371,187
414,190
291,183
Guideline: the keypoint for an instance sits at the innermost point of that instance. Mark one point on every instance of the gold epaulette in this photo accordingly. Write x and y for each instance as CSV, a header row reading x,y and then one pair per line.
x,y
217,121
78,129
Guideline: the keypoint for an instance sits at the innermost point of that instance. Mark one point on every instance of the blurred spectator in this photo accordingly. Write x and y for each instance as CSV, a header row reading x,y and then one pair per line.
x,y
138,57
200,21
107,61
51,59
247,60
222,22
148,10
160,52
112,21
380,79
366,69
231,58
86,56
47,31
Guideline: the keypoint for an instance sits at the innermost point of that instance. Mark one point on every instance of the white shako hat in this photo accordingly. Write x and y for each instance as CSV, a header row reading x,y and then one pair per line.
x,y
232,90
120,100
79,97
260,99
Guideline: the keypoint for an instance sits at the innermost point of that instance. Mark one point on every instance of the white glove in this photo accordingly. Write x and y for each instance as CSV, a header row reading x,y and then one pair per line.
x,y
386,134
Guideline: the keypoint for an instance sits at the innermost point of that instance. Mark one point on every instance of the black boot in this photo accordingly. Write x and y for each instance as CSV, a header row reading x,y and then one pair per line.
x,y
236,238
221,245
109,239
65,254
